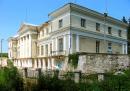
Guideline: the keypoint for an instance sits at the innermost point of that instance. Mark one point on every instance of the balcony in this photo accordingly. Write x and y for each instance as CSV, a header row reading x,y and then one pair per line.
x,y
58,53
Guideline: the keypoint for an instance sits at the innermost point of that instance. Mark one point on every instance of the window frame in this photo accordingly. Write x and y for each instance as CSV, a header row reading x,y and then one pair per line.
x,y
109,30
83,22
46,47
97,26
60,44
42,50
60,23
119,33
97,46
109,48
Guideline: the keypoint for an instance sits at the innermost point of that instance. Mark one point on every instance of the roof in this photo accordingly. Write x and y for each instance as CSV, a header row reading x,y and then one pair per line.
x,y
23,25
72,6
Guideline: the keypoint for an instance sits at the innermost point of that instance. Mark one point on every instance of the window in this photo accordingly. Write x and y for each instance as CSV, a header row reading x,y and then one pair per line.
x,y
83,22
60,23
97,46
109,47
119,33
109,30
38,50
42,32
97,27
42,50
51,48
47,30
46,49
61,44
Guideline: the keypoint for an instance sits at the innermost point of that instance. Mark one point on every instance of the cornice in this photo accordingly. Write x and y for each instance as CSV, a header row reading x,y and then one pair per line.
x,y
98,34
86,11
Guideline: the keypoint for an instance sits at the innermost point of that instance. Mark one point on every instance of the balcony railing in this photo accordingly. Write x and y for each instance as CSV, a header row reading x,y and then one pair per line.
x,y
57,53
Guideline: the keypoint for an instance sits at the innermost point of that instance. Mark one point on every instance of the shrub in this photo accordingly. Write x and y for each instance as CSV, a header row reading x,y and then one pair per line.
x,y
47,83
10,80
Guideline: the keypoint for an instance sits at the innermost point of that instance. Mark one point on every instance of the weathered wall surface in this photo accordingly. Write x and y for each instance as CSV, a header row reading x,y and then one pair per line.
x,y
98,63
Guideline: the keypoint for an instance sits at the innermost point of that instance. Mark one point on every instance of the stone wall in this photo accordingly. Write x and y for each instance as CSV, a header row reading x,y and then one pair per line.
x,y
100,63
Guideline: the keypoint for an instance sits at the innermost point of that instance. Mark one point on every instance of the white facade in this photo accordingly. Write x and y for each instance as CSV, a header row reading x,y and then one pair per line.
x,y
70,29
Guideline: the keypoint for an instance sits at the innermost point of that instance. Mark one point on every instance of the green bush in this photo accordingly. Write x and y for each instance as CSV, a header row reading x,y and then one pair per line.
x,y
47,83
110,83
10,80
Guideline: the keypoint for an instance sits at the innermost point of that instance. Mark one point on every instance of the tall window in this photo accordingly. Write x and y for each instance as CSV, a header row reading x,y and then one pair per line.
x,y
119,33
83,22
97,27
42,32
61,44
109,47
109,30
42,50
60,23
46,49
125,51
47,30
51,48
38,53
97,46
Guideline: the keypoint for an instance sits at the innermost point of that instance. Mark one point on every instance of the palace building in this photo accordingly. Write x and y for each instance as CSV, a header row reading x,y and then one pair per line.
x,y
70,29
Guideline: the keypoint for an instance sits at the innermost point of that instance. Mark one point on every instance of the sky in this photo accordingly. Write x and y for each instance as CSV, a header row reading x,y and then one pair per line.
x,y
14,12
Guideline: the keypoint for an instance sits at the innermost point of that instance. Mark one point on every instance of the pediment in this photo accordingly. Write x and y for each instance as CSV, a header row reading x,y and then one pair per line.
x,y
27,27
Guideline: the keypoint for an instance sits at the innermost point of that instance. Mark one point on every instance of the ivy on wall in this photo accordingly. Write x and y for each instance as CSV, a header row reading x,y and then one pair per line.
x,y
73,59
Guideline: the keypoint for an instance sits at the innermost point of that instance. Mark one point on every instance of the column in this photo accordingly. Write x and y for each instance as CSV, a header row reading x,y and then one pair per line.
x,y
52,46
123,49
40,50
49,64
30,63
22,63
71,51
25,63
77,43
27,39
126,48
35,63
64,43
14,62
44,50
30,46
70,38
23,47
56,44
19,63
48,49
53,63
39,63
43,64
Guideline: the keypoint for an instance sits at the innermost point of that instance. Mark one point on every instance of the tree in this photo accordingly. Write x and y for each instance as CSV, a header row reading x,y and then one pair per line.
x,y
124,19
10,79
128,35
